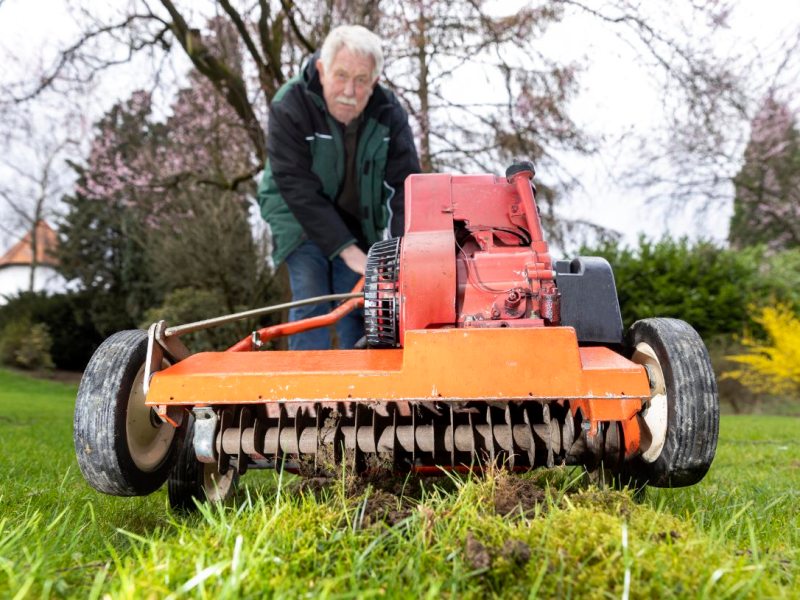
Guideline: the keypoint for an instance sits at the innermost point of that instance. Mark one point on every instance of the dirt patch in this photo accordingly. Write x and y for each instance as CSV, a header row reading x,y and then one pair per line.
x,y
480,557
382,507
406,486
316,486
515,495
380,501
476,554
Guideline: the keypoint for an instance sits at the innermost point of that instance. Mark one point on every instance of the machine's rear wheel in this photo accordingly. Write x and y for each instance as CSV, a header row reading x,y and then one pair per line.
x,y
680,424
192,480
123,448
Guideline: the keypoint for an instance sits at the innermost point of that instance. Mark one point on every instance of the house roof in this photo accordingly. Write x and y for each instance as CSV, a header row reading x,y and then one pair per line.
x,y
20,253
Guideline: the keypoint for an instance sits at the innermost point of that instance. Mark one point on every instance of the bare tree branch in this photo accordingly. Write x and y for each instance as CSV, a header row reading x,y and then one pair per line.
x,y
289,11
70,54
224,79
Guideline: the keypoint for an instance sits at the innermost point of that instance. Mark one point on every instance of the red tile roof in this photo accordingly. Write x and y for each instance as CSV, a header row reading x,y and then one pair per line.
x,y
20,253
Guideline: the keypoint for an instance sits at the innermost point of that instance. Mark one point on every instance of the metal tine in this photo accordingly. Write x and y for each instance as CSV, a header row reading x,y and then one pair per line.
x,y
414,435
532,448
473,451
318,427
358,455
452,438
490,440
282,417
225,420
549,435
513,452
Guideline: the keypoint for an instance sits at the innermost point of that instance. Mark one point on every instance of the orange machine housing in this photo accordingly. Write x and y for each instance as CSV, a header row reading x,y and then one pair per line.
x,y
477,316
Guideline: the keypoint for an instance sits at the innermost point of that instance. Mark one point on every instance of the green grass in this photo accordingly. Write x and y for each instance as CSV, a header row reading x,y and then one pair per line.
x,y
733,535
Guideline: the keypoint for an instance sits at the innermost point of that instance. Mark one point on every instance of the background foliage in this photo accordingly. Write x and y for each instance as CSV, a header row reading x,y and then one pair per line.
x,y
700,283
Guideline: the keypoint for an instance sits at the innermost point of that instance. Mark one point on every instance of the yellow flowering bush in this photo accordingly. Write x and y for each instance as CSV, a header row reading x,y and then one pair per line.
x,y
773,365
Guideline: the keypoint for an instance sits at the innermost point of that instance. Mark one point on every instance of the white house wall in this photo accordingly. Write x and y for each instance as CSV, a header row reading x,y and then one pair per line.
x,y
15,279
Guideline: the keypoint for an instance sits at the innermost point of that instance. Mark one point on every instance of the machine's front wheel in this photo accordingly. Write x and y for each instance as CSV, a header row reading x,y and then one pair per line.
x,y
192,481
123,448
680,423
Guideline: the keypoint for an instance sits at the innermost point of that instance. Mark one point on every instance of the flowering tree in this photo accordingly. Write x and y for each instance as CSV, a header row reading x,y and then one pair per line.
x,y
102,235
767,203
163,205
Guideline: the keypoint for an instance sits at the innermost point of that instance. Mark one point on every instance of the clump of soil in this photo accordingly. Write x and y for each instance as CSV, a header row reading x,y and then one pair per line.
x,y
479,556
516,495
383,499
382,507
316,486
475,554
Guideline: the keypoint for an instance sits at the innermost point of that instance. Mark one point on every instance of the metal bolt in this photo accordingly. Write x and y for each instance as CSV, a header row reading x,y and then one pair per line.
x,y
512,300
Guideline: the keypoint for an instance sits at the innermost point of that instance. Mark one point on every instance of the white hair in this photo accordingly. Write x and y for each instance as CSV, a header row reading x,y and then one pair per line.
x,y
355,38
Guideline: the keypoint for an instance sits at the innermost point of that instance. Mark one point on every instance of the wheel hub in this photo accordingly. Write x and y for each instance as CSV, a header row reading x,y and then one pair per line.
x,y
653,419
148,443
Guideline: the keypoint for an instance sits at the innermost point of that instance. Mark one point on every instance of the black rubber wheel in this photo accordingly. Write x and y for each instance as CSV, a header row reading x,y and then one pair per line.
x,y
680,424
123,449
192,481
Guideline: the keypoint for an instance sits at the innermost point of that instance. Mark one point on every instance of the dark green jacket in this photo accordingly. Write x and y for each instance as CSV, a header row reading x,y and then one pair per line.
x,y
305,168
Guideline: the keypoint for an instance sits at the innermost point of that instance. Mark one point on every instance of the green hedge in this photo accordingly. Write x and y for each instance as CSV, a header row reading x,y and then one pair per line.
x,y
712,288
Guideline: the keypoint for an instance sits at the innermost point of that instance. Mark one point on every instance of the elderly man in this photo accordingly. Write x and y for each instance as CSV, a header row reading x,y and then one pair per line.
x,y
339,150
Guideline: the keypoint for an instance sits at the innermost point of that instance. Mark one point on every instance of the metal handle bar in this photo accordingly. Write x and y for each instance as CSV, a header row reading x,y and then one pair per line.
x,y
179,330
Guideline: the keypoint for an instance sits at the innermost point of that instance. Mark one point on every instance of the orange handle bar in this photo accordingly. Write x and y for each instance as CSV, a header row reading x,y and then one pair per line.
x,y
282,329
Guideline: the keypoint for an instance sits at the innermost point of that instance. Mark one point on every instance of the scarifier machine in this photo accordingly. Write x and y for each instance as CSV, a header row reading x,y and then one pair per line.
x,y
479,350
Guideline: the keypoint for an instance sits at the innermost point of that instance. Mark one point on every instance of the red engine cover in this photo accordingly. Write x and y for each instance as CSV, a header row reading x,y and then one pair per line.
x,y
473,255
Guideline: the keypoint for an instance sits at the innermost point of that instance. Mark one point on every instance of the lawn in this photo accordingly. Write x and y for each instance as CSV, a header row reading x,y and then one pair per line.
x,y
546,534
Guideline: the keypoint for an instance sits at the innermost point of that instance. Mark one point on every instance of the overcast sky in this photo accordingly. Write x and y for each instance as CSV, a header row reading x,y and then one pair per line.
x,y
626,99
615,98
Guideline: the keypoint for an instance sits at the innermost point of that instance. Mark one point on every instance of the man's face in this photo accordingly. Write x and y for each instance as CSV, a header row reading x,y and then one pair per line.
x,y
348,84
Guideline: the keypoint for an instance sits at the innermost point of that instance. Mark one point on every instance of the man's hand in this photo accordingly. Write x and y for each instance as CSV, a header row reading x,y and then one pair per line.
x,y
354,258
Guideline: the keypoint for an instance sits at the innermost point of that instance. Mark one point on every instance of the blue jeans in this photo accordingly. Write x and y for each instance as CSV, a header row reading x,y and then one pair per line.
x,y
312,274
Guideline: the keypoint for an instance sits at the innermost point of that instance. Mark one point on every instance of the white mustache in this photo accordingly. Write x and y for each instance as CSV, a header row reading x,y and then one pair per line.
x,y
346,100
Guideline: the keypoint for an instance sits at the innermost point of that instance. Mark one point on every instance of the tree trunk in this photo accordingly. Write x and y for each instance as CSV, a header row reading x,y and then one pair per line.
x,y
424,101
34,251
